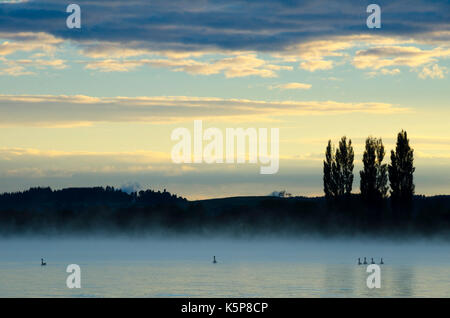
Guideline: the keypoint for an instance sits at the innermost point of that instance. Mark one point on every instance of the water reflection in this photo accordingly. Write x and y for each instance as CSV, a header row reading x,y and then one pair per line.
x,y
402,280
339,280
182,269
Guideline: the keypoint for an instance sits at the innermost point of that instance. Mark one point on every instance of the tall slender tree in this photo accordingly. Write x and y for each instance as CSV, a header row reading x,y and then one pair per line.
x,y
344,166
401,171
329,186
369,173
338,169
382,171
373,183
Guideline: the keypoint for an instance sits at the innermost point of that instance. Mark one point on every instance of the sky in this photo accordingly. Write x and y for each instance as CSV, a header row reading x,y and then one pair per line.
x,y
97,105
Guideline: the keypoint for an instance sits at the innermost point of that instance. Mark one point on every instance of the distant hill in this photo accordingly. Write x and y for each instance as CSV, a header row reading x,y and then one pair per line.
x,y
98,209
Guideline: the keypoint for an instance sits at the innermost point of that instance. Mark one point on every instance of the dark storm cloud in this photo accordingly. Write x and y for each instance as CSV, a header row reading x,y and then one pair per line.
x,y
261,25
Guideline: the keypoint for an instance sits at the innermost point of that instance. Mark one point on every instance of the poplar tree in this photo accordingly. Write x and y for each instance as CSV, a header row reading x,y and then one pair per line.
x,y
401,171
373,184
338,169
329,186
344,167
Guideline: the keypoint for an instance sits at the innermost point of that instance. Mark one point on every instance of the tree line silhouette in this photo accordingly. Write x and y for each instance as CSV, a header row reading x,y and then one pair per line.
x,y
338,171
386,206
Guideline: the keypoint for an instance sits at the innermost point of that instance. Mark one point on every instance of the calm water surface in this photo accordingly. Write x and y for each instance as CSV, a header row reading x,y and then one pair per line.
x,y
247,268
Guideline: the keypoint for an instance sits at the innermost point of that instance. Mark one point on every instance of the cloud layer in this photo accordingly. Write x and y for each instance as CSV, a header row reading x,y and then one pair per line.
x,y
62,110
187,36
226,25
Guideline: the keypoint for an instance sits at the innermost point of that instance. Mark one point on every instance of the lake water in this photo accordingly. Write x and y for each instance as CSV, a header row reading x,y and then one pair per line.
x,y
152,267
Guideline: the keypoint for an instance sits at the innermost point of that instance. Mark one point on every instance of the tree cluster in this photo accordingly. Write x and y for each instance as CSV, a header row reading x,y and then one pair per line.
x,y
338,171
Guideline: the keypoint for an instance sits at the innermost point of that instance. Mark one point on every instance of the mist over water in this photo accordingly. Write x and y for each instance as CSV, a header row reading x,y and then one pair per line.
x,y
257,267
